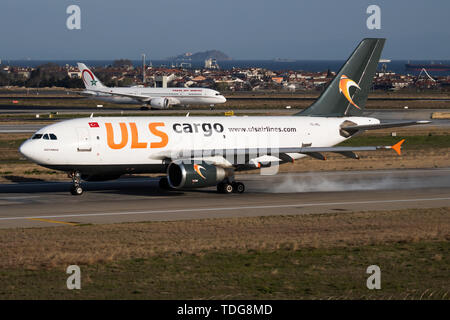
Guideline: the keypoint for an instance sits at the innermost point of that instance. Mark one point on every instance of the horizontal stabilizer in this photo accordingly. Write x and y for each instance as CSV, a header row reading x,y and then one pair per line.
x,y
384,125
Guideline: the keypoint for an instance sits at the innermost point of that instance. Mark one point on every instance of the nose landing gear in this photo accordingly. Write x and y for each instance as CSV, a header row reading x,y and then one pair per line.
x,y
76,188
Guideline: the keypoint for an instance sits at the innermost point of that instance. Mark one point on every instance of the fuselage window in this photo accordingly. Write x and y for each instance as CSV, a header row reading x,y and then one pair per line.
x,y
36,136
52,136
46,137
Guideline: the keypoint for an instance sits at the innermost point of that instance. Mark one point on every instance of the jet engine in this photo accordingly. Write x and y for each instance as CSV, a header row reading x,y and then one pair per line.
x,y
160,103
195,175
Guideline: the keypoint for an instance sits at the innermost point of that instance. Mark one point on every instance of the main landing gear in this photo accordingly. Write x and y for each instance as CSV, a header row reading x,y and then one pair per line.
x,y
230,187
76,188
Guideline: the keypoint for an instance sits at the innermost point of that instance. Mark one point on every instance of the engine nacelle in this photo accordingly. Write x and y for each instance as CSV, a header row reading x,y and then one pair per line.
x,y
160,103
195,175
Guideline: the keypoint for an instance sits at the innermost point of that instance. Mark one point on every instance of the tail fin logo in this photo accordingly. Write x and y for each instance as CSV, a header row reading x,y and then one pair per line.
x,y
197,169
93,81
344,85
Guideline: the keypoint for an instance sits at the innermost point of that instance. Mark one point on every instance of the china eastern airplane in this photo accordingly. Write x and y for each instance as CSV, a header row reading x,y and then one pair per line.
x,y
156,98
195,152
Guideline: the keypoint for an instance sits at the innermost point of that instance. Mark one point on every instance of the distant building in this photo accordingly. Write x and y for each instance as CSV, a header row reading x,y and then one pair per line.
x,y
74,73
161,81
23,72
277,79
198,78
211,64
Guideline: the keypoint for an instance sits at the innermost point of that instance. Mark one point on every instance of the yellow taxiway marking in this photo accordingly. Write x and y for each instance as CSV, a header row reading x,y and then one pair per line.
x,y
53,221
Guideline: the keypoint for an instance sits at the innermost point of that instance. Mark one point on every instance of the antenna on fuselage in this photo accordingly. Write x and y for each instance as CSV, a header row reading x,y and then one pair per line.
x,y
92,115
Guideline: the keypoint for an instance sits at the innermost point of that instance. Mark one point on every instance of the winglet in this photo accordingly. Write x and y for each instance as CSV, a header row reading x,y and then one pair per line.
x,y
397,147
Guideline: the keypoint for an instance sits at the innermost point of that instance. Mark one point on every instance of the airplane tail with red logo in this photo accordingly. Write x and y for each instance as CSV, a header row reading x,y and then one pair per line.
x,y
90,81
346,95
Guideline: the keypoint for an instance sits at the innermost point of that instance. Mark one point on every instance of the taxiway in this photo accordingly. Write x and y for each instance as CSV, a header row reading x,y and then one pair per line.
x,y
383,115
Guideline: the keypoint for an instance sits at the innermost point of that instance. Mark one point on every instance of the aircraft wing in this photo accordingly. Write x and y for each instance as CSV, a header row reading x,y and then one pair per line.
x,y
86,93
383,125
246,155
139,97
80,92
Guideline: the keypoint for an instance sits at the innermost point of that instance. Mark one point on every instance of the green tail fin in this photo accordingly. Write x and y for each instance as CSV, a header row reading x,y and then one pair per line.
x,y
346,95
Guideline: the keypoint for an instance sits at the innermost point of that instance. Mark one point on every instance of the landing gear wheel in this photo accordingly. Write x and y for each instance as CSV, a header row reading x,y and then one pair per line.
x,y
238,187
228,188
76,188
76,191
225,188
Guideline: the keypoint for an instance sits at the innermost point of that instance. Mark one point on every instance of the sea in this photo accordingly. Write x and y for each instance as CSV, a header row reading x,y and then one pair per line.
x,y
397,66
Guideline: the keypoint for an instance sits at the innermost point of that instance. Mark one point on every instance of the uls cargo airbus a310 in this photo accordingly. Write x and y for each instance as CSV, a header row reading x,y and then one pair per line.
x,y
156,98
197,152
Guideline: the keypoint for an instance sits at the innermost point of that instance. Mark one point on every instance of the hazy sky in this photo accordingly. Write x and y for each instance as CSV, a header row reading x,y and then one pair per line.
x,y
243,29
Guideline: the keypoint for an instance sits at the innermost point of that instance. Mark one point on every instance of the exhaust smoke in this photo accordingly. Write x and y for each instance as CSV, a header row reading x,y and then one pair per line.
x,y
351,181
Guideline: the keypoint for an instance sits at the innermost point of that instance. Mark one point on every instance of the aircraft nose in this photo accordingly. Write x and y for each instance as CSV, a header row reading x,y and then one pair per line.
x,y
223,99
26,149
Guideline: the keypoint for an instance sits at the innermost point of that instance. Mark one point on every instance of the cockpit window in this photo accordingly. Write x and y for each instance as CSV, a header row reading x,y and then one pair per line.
x,y
47,136
217,94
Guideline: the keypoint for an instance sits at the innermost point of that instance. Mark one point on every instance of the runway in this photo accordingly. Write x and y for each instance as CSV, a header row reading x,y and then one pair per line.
x,y
138,199
20,128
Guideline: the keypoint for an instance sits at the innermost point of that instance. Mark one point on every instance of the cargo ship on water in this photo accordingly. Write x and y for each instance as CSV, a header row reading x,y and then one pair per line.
x,y
428,67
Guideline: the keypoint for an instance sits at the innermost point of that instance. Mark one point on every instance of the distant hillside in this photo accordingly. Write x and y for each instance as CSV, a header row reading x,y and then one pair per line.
x,y
201,56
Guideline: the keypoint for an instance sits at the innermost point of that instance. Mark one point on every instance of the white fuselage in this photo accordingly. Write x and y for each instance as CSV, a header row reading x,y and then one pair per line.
x,y
144,144
176,96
